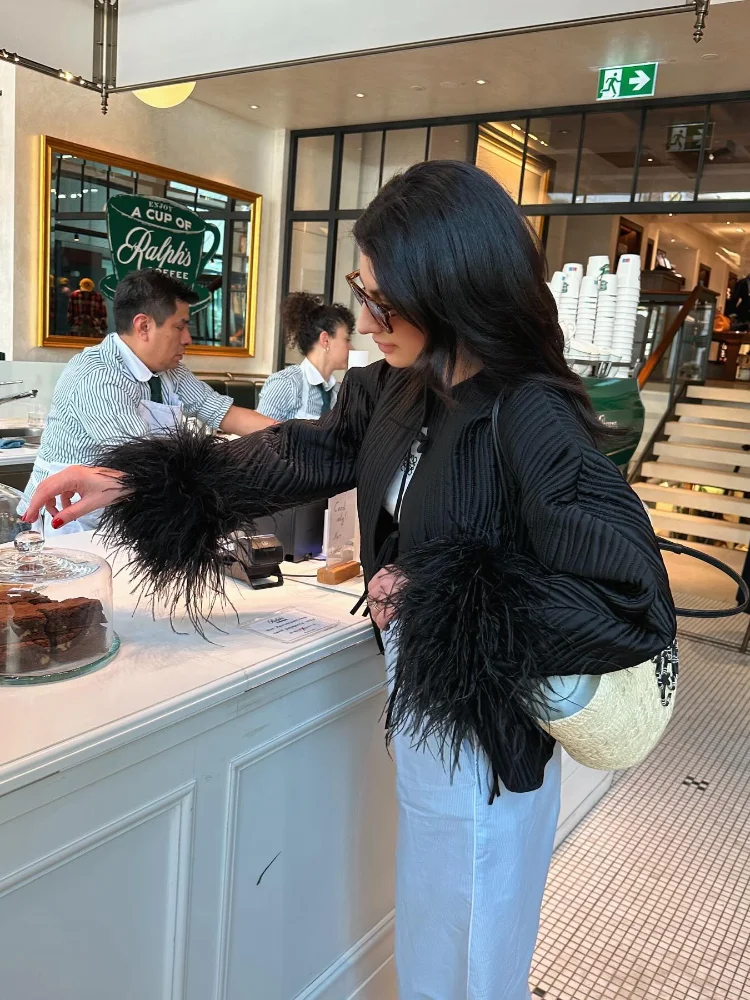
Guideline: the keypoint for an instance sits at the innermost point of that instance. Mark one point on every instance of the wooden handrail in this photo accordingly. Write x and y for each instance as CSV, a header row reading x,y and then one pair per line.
x,y
666,341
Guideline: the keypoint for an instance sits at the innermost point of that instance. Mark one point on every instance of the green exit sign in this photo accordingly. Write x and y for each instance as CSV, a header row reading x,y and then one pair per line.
x,y
617,82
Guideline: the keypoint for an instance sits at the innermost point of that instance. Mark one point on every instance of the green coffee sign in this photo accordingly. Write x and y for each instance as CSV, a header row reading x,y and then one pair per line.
x,y
617,82
153,232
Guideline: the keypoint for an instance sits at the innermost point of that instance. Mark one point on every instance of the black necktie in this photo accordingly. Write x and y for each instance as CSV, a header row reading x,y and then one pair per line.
x,y
154,384
326,397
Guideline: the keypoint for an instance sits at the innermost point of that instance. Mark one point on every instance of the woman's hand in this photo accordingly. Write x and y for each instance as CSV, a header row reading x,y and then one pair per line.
x,y
386,581
96,488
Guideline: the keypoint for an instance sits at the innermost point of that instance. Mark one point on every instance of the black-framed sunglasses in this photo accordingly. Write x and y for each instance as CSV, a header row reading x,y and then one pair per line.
x,y
379,313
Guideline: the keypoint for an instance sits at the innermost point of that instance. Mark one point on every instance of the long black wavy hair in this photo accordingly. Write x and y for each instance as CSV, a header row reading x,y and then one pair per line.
x,y
453,255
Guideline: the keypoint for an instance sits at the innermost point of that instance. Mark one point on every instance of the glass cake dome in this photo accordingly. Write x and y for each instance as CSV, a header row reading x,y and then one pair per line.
x,y
55,605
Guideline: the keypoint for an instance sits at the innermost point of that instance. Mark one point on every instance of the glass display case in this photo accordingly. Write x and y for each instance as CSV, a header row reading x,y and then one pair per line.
x,y
55,605
687,358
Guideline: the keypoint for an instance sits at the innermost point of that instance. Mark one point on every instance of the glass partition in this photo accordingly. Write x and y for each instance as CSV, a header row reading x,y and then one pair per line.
x,y
608,152
726,165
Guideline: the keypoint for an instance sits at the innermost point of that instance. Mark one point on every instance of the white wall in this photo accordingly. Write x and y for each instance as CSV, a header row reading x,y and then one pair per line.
x,y
192,137
167,39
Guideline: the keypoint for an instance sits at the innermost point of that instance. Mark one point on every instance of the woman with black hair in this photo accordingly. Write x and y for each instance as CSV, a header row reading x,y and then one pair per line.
x,y
500,546
322,334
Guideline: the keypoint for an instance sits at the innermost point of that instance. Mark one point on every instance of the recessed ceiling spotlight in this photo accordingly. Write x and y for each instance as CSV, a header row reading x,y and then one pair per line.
x,y
711,157
418,87
740,229
673,241
710,56
516,127
650,159
359,95
448,85
671,214
481,82
253,107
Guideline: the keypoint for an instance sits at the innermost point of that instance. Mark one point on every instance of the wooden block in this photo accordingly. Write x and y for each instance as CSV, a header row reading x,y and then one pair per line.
x,y
339,573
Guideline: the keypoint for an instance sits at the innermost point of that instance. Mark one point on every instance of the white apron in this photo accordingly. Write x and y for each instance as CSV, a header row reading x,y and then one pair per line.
x,y
469,876
160,418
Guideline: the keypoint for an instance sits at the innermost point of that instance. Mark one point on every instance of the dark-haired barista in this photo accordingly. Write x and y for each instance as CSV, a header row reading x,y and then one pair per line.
x,y
322,333
132,384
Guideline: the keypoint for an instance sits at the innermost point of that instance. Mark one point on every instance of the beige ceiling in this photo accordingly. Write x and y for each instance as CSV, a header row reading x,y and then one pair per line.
x,y
533,70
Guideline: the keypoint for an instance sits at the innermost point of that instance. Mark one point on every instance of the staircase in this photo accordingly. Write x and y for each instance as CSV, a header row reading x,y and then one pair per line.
x,y
704,446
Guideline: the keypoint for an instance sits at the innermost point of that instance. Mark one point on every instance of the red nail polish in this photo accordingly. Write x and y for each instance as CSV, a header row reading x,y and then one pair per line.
x,y
57,522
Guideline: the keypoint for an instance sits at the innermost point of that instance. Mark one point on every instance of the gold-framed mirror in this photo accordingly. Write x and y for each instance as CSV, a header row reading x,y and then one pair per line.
x,y
77,185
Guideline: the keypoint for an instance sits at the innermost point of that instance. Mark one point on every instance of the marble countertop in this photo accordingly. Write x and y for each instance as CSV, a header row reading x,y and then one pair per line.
x,y
160,674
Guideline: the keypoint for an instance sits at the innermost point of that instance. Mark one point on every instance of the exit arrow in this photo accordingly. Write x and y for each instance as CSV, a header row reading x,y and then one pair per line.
x,y
639,81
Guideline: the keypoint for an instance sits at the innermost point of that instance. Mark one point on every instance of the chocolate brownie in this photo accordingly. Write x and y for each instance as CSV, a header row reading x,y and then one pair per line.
x,y
23,657
15,595
27,622
79,644
75,613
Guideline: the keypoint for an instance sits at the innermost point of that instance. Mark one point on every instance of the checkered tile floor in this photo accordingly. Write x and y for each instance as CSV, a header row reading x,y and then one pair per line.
x,y
650,896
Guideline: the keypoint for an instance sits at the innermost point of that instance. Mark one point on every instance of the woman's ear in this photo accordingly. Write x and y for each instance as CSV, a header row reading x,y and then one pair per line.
x,y
325,340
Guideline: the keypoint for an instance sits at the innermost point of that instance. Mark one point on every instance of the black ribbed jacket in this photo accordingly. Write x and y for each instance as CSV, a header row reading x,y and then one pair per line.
x,y
580,587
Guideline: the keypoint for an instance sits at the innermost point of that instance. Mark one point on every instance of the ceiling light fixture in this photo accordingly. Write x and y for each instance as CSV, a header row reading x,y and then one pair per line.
x,y
516,127
650,159
711,157
532,136
359,95
671,214
166,97
481,82
76,238
254,107
673,241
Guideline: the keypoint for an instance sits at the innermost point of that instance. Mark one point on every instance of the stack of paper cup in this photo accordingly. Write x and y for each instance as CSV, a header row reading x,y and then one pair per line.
x,y
597,266
626,311
556,286
586,315
568,305
606,305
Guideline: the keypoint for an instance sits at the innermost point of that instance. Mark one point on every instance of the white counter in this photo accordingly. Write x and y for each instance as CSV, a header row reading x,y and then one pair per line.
x,y
206,821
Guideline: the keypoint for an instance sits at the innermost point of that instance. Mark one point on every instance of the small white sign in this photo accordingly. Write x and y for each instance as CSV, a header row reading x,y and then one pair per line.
x,y
340,541
290,625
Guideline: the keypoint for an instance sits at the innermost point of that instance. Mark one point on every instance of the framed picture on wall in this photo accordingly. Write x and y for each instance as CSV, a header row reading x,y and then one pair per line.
x,y
102,213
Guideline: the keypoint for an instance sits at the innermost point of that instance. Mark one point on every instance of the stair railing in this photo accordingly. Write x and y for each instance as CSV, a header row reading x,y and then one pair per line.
x,y
677,386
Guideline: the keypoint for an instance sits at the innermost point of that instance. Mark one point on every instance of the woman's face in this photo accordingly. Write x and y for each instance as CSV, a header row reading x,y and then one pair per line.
x,y
400,348
339,344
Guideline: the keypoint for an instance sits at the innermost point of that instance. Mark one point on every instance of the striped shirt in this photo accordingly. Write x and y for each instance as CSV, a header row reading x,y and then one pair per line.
x,y
96,404
294,393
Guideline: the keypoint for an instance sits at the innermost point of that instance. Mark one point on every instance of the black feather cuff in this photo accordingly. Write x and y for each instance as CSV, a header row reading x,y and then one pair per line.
x,y
473,652
188,492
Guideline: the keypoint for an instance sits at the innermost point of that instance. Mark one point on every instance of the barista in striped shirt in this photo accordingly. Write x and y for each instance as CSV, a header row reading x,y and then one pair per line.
x,y
132,384
322,334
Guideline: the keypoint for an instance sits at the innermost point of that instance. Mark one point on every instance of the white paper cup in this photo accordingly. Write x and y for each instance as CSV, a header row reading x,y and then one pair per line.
x,y
556,283
597,266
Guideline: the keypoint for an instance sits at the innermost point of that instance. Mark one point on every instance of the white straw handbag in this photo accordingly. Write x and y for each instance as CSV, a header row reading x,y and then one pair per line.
x,y
624,719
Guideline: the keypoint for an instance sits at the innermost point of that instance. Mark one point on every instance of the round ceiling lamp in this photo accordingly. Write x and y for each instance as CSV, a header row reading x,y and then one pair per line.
x,y
166,97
